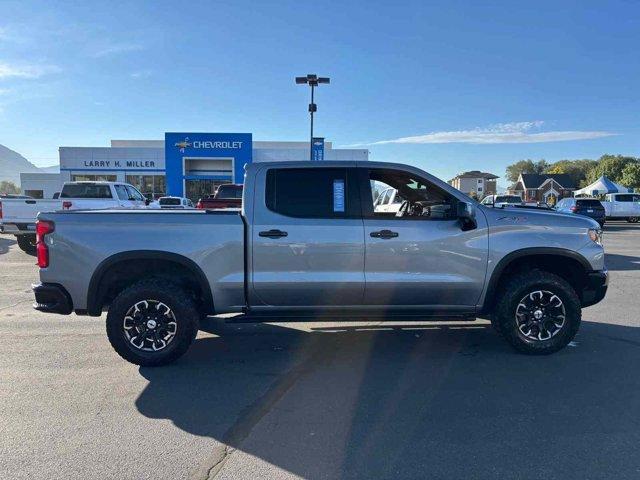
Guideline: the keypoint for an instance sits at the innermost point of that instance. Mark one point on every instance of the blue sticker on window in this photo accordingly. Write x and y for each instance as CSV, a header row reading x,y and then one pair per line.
x,y
338,195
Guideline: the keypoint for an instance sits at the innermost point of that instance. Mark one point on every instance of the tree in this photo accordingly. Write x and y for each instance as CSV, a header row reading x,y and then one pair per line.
x,y
8,187
631,175
576,169
525,166
610,166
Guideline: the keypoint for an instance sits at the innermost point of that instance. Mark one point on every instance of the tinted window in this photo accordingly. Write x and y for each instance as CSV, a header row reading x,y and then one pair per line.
x,y
628,198
589,203
122,192
229,191
169,201
508,199
85,190
309,192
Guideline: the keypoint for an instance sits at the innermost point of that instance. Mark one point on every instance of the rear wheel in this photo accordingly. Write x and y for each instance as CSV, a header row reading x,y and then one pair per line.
x,y
27,243
539,312
632,219
152,322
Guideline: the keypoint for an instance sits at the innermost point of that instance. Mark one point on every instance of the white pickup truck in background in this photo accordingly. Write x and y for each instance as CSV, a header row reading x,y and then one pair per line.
x,y
18,215
622,206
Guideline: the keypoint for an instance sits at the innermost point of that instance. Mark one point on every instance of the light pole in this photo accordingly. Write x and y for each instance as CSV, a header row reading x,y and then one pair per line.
x,y
313,81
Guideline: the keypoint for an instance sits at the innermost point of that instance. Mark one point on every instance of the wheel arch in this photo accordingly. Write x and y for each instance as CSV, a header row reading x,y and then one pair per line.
x,y
187,270
565,263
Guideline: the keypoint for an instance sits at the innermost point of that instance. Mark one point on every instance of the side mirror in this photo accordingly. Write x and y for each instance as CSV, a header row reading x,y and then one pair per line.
x,y
147,201
466,212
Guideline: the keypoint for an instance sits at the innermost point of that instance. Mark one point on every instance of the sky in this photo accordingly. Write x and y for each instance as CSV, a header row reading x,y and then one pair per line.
x,y
444,85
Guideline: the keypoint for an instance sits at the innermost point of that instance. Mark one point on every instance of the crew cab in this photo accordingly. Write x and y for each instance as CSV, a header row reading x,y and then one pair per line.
x,y
227,195
622,206
18,216
308,244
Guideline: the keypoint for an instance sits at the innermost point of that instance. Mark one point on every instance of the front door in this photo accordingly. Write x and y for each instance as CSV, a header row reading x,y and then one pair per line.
x,y
421,256
307,238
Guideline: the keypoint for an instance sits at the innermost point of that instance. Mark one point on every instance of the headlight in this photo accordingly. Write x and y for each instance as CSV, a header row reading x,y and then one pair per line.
x,y
595,234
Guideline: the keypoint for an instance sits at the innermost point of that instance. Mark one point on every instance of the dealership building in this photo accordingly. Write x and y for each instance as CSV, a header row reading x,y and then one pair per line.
x,y
184,164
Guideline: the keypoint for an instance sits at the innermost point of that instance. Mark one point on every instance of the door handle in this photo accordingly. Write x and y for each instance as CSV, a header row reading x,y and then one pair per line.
x,y
275,233
385,234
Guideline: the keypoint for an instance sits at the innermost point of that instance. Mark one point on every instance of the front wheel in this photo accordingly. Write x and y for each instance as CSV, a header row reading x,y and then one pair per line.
x,y
152,322
539,312
632,219
27,243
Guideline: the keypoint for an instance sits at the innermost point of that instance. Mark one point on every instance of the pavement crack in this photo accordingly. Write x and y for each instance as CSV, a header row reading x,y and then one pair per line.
x,y
255,412
15,304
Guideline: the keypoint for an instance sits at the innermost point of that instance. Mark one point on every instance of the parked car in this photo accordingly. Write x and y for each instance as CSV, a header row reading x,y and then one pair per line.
x,y
228,195
18,216
388,200
622,206
502,200
173,203
304,245
590,207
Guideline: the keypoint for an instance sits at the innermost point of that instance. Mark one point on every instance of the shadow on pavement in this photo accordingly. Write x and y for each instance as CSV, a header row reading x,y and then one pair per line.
x,y
621,262
414,401
5,243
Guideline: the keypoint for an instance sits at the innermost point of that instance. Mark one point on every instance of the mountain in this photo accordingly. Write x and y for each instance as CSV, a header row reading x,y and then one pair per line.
x,y
12,164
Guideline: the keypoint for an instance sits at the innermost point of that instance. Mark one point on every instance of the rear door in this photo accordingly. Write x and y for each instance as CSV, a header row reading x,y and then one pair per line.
x,y
421,256
307,238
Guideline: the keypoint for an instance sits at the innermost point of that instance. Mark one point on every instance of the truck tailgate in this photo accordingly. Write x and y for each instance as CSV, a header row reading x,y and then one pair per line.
x,y
84,242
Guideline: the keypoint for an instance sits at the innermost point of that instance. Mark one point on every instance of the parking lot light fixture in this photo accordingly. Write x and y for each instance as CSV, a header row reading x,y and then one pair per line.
x,y
313,81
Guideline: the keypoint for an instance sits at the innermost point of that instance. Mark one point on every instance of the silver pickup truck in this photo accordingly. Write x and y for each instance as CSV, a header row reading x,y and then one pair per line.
x,y
308,244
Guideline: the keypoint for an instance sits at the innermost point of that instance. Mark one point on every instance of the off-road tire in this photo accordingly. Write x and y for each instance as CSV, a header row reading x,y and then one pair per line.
x,y
27,244
519,285
176,298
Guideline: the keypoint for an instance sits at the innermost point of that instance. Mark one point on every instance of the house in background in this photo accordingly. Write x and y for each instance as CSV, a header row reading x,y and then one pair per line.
x,y
533,187
475,181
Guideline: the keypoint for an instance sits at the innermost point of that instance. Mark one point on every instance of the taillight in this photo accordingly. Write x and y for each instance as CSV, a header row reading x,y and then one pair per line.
x,y
574,209
66,205
199,205
43,227
0,209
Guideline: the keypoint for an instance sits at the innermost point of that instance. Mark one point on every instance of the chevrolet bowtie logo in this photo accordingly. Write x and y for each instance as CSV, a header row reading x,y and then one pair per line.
x,y
184,144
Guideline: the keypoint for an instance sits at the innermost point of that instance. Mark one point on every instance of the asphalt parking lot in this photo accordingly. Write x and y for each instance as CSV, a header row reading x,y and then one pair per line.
x,y
424,400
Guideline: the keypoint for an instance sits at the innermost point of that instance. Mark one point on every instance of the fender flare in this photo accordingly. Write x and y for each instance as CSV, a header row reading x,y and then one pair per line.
x,y
526,252
94,297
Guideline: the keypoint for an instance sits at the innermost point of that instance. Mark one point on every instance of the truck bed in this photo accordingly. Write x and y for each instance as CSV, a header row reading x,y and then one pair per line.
x,y
85,241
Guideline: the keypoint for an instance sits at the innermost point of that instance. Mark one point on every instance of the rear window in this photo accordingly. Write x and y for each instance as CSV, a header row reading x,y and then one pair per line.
x,y
169,201
85,190
229,191
508,199
589,203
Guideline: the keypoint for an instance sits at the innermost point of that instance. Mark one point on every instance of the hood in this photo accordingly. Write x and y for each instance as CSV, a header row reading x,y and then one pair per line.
x,y
534,216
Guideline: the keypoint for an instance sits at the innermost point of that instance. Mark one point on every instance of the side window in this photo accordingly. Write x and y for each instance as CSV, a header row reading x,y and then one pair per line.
x,y
122,193
420,199
310,193
134,194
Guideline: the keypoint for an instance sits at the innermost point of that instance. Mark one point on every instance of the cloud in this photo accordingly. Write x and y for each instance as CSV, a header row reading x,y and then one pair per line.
x,y
115,49
140,74
8,70
516,132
